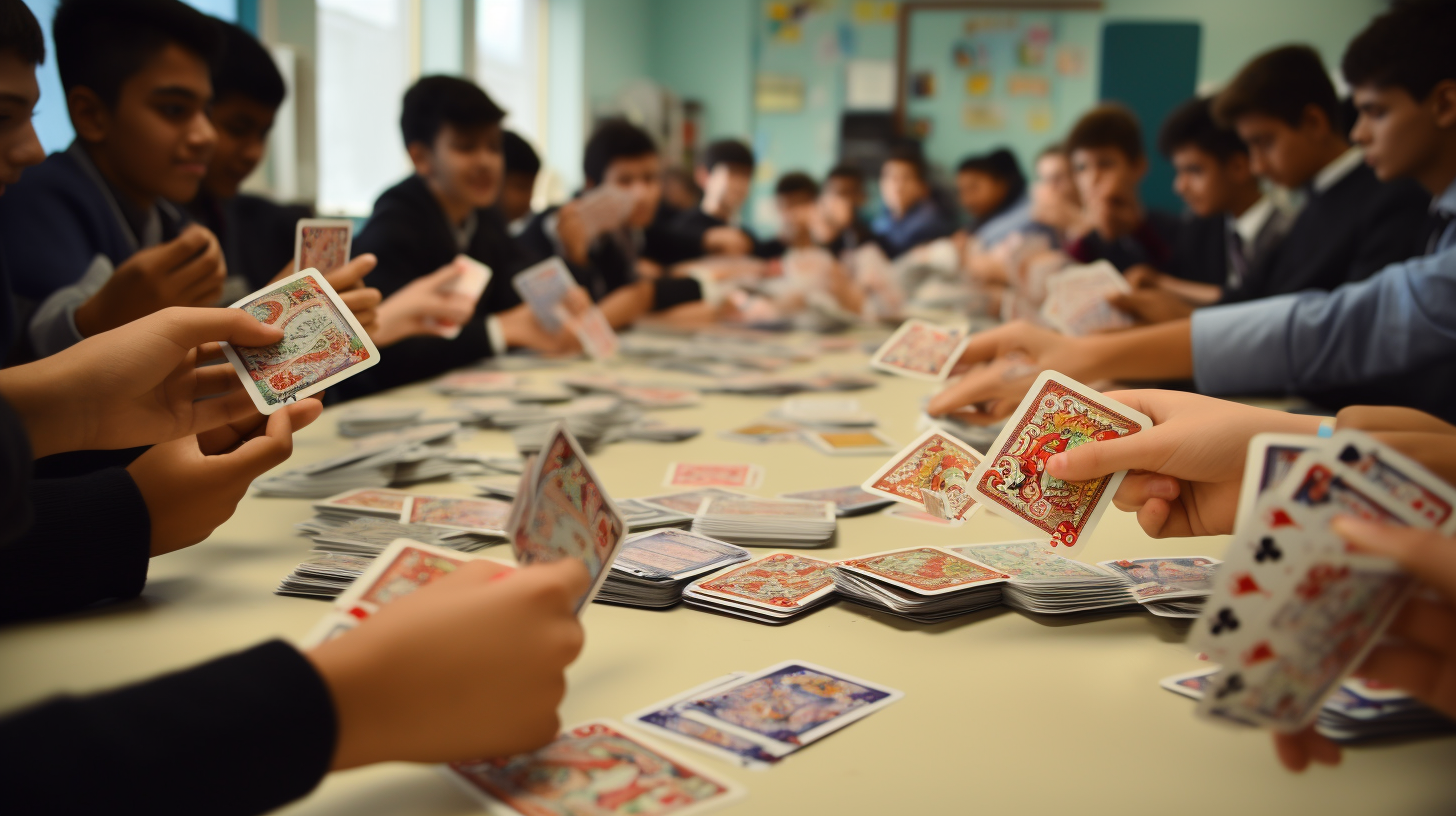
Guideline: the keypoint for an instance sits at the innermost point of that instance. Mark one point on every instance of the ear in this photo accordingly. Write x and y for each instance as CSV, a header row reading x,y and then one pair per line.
x,y
1315,119
700,175
421,157
89,115
1442,100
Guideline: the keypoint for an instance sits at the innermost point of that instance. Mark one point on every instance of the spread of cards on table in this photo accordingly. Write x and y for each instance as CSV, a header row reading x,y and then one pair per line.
x,y
1283,616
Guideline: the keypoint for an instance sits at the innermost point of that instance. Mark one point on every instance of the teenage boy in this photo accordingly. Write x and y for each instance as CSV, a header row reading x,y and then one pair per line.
x,y
1105,149
1284,108
724,172
90,236
522,167
1384,340
1055,204
911,216
841,200
796,198
992,191
623,156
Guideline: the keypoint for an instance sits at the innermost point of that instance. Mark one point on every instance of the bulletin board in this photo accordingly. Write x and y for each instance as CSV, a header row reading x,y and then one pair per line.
x,y
975,77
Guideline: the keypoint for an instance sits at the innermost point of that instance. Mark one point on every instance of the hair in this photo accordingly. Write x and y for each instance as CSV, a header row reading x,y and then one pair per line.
x,y
1281,83
246,69
727,151
1192,125
612,140
436,101
909,153
1053,149
999,164
20,32
848,172
796,182
1107,125
1408,47
521,158
100,44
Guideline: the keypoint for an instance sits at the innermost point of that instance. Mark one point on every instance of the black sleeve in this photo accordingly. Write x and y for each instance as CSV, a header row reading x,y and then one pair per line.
x,y
242,734
670,292
401,259
1393,231
675,236
16,515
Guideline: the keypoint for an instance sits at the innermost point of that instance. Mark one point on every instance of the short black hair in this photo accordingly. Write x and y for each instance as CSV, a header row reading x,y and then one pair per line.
x,y
1281,83
436,101
1409,47
1107,125
796,182
1053,149
848,172
521,158
999,164
612,140
727,151
910,153
1191,124
20,32
100,44
246,69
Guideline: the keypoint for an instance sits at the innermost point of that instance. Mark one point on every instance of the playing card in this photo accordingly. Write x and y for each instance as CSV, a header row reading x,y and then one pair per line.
x,y
482,516
687,502
935,460
1192,685
594,768
850,500
322,244
322,342
924,570
912,513
861,442
1165,578
478,383
778,581
593,330
542,287
402,568
469,284
789,705
1028,561
674,554
921,350
701,474
665,719
1076,300
371,501
1419,490
763,432
1268,461
563,511
1058,414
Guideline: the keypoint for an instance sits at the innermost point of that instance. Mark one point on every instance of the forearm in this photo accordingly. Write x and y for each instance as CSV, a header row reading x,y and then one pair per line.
x,y
623,306
1144,354
36,391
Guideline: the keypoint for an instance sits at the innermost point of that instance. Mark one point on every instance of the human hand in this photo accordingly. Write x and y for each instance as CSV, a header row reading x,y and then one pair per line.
x,y
193,484
726,241
1185,471
471,666
523,330
1003,362
140,384
189,270
426,305
1151,305
1376,418
571,232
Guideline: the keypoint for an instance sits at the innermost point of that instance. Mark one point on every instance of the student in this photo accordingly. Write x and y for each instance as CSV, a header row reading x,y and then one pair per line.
x,y
1055,204
724,174
796,199
621,155
1234,226
1384,340
911,216
446,208
1105,149
90,236
992,191
841,200
714,227
522,167
1284,108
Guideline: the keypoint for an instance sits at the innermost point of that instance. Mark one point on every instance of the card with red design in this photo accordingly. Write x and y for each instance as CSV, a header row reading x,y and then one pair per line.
x,y
1058,414
921,350
924,570
935,461
712,474
778,585
322,243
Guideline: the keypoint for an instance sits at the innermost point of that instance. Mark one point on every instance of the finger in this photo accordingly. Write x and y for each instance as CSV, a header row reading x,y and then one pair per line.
x,y
207,352
189,328
1426,624
1161,519
977,386
225,437
263,453
303,413
1426,554
1141,486
211,413
1139,451
361,300
1409,668
569,574
985,346
1290,749
1123,303
169,256
213,380
352,273
201,268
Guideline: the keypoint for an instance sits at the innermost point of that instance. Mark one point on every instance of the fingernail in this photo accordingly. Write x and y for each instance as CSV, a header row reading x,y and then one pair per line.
x,y
1358,532
1163,489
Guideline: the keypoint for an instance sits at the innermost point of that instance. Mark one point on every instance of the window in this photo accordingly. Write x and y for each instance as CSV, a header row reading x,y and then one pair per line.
x,y
507,51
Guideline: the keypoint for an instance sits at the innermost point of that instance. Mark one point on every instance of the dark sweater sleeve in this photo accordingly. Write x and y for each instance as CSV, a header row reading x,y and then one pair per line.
x,y
89,542
242,734
16,514
670,292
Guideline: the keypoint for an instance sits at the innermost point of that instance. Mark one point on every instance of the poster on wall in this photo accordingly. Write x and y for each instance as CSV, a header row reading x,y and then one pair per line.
x,y
869,84
778,93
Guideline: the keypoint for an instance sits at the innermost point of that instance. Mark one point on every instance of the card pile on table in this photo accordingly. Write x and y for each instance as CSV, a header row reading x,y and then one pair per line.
x,y
850,500
926,584
371,419
756,522
652,568
1048,583
1167,587
774,588
641,515
1293,609
393,458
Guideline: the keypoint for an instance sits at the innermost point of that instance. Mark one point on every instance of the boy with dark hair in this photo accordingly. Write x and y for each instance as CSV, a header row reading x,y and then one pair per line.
x,y
22,47
522,167
992,191
1384,340
911,216
1105,148
1284,107
724,173
841,199
796,197
90,235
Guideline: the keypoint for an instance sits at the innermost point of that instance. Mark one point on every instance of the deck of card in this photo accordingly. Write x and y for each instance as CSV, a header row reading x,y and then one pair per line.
x,y
652,568
1175,587
756,522
756,720
926,584
392,458
1076,300
1048,583
1293,610
922,350
773,589
850,500
372,419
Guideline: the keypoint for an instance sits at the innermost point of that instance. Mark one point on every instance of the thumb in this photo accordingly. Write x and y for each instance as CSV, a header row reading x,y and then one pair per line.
x,y
1426,554
193,327
260,454
1093,460
352,273
1123,302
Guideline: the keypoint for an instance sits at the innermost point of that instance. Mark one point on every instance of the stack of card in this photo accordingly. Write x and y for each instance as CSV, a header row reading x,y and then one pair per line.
x,y
850,500
774,588
1048,583
756,720
369,536
652,568
771,385
371,419
1167,587
1293,610
926,584
324,575
475,516
478,384
402,457
756,522
640,515
686,503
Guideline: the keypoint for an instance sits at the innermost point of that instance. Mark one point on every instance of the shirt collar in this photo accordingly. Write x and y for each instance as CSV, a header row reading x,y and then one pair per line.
x,y
1446,201
1253,220
1336,170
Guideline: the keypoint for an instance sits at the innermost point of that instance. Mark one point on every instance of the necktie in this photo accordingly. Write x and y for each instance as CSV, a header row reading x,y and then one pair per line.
x,y
1238,262
1440,221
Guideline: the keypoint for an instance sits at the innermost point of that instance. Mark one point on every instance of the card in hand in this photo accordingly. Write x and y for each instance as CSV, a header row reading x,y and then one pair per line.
x,y
935,461
469,283
543,286
322,342
594,768
592,329
1076,300
322,243
1058,414
921,350
1269,458
563,511
1404,479
924,570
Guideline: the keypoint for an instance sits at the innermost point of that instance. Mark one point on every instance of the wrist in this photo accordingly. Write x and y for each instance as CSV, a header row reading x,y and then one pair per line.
x,y
37,400
344,674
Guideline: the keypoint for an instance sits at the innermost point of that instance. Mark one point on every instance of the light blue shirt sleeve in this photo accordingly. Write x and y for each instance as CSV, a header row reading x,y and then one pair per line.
x,y
1394,322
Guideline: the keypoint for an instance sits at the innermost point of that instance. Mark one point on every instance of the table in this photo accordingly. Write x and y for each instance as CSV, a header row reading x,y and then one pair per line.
x,y
1003,712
